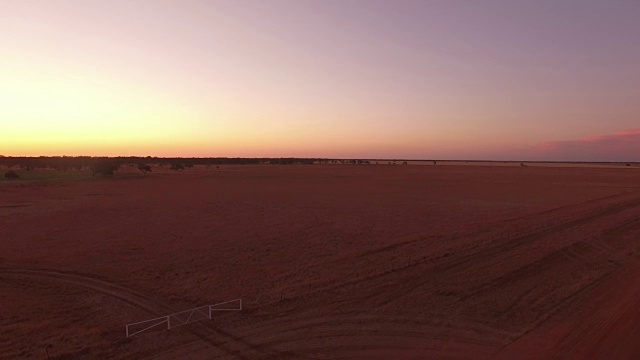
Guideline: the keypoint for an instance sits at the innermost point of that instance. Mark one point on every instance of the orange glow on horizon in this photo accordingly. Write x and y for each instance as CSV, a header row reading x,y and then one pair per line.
x,y
243,78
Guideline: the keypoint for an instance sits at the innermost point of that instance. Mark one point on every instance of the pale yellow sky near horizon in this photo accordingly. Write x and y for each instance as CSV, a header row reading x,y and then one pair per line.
x,y
317,79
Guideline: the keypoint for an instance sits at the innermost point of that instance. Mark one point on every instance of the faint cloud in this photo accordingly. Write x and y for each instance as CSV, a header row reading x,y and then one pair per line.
x,y
619,146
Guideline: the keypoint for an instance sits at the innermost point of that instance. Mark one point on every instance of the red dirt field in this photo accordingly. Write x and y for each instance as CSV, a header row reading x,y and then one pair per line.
x,y
332,262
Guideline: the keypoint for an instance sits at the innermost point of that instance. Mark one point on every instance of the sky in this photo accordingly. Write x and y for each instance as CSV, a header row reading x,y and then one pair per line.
x,y
452,79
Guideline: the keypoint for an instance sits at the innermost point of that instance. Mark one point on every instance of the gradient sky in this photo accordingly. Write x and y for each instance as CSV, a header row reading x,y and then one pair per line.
x,y
451,79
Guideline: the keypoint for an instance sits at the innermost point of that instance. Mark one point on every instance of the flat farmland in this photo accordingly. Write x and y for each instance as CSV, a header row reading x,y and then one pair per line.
x,y
331,261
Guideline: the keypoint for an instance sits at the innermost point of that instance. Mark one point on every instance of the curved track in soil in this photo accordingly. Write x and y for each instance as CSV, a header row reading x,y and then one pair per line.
x,y
489,286
589,239
227,342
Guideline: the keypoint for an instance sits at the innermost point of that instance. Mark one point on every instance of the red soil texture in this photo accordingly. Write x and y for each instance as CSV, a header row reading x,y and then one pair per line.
x,y
332,262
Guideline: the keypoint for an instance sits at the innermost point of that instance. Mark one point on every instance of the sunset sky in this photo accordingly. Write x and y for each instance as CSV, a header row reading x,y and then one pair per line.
x,y
450,79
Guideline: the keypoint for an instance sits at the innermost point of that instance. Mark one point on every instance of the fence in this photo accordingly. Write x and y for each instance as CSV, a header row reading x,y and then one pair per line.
x,y
183,317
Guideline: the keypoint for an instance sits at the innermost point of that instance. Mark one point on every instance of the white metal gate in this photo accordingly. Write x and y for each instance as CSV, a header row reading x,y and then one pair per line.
x,y
183,317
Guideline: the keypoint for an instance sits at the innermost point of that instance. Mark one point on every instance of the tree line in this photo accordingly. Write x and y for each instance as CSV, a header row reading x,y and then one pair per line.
x,y
68,163
107,165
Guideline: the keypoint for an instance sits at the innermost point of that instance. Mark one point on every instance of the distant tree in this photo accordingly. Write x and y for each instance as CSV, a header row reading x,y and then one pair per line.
x,y
177,166
144,168
11,175
103,167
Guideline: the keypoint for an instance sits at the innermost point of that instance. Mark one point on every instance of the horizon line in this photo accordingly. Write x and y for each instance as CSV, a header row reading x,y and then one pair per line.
x,y
321,158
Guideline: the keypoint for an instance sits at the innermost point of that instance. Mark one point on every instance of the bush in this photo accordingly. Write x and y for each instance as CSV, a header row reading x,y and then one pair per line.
x,y
11,175
105,168
144,168
177,166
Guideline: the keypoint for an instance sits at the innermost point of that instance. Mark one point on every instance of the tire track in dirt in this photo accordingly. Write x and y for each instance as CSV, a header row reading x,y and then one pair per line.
x,y
568,300
594,335
484,255
451,259
365,318
231,344
605,244
481,254
380,328
486,230
483,250
601,245
503,247
321,337
487,255
590,252
417,244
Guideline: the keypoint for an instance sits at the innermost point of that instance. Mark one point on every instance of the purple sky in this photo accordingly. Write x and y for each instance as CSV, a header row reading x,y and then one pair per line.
x,y
504,80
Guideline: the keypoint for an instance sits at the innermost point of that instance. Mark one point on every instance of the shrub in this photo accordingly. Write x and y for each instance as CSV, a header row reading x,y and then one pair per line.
x,y
11,175
105,168
144,168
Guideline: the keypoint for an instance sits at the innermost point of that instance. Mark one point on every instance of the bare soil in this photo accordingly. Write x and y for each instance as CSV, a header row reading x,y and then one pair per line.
x,y
331,261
